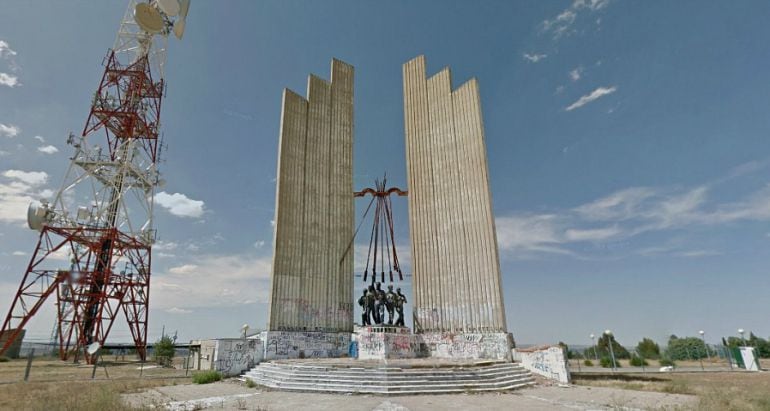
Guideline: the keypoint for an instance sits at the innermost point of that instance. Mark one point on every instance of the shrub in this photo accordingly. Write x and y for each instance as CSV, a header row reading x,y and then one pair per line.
x,y
4,359
206,377
164,350
606,362
588,363
250,383
638,361
647,348
666,362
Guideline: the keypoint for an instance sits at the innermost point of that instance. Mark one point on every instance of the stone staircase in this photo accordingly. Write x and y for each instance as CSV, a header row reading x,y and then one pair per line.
x,y
389,379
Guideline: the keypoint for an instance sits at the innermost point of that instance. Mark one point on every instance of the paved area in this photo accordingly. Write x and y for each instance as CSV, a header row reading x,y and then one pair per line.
x,y
233,395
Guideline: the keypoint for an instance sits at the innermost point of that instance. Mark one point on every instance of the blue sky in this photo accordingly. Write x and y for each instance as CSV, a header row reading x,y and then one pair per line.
x,y
628,149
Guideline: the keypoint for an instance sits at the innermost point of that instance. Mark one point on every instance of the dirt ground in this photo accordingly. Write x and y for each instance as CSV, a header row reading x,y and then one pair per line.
x,y
56,385
233,395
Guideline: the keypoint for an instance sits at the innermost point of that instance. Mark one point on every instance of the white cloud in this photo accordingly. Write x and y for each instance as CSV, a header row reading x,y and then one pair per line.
x,y
5,50
16,194
48,149
259,244
40,139
9,80
33,178
216,281
534,58
9,130
561,25
614,220
183,269
594,95
574,75
179,205
19,253
177,310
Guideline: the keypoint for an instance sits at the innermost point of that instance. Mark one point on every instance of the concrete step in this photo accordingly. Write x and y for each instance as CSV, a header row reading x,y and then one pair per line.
x,y
390,371
377,379
411,389
395,377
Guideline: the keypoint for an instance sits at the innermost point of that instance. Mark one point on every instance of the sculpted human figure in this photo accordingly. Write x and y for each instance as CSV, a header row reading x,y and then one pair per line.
x,y
365,314
380,305
390,303
371,299
400,301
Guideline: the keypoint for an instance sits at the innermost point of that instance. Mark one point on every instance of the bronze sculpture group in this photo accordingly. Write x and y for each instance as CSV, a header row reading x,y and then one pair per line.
x,y
375,301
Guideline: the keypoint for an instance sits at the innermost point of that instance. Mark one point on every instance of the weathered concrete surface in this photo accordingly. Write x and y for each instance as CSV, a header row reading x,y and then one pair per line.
x,y
456,279
305,344
311,282
232,396
549,362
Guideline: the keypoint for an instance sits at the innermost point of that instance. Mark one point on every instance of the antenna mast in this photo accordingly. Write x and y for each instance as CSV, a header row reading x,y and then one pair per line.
x,y
106,244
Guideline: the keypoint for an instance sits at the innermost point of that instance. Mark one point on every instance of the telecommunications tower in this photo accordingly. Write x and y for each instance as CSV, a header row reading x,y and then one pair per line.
x,y
96,235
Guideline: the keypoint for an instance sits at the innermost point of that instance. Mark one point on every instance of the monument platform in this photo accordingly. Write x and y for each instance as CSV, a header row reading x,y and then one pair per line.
x,y
390,377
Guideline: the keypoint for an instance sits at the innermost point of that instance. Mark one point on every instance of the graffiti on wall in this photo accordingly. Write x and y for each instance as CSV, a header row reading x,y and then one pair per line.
x,y
304,344
550,362
372,344
235,356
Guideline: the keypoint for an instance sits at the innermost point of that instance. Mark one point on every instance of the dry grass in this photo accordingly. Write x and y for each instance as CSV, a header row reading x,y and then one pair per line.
x,y
716,391
55,385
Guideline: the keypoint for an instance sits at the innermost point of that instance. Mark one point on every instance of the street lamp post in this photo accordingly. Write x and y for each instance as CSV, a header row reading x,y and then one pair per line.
x,y
743,340
596,356
608,333
706,347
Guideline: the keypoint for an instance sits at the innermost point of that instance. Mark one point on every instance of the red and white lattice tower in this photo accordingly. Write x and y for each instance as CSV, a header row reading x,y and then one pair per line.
x,y
94,252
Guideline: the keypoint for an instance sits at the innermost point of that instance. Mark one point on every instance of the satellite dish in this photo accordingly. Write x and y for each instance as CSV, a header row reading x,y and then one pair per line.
x,y
93,348
184,7
148,18
170,7
179,29
36,216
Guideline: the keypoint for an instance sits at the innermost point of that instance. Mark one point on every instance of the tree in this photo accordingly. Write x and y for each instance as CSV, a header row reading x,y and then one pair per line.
x,y
647,348
603,349
687,348
164,350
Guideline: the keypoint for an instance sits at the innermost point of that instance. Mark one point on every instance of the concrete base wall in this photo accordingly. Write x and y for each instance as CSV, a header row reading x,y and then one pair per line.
x,y
463,346
304,344
550,362
488,346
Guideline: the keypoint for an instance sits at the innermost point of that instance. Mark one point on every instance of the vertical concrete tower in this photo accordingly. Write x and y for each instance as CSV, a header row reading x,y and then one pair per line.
x,y
311,282
456,281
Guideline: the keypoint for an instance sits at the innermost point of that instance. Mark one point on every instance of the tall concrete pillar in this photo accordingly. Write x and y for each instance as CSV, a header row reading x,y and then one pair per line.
x,y
456,281
311,282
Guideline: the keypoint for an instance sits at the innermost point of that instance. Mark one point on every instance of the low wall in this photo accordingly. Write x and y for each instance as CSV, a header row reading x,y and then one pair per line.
x,y
233,356
549,361
304,344
380,343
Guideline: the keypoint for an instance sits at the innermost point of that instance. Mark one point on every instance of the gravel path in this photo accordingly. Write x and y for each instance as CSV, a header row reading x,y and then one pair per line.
x,y
232,395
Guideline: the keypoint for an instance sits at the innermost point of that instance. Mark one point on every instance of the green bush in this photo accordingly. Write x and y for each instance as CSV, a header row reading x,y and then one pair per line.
x,y
163,350
647,348
638,361
250,383
206,377
666,362
606,362
588,363
4,359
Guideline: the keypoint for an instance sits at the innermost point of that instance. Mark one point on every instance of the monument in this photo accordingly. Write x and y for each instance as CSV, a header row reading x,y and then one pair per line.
x,y
457,295
311,298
